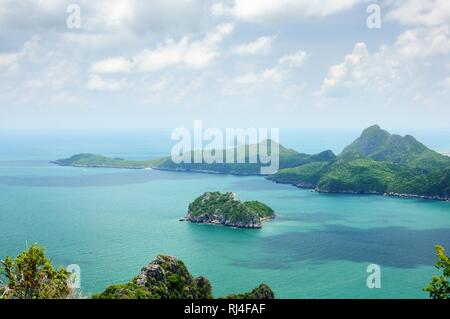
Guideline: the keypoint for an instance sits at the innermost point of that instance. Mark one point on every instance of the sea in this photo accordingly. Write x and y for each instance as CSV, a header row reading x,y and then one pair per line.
x,y
112,222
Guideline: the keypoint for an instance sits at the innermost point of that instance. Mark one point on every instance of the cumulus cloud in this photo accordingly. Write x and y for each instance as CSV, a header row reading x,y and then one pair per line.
x,y
423,42
420,12
112,65
275,74
338,72
105,15
187,52
389,65
296,59
275,11
260,46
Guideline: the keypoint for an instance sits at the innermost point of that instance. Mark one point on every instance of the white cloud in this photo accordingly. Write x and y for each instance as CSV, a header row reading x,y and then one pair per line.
x,y
270,11
105,15
337,72
274,74
27,51
260,46
97,83
296,59
112,65
422,42
420,12
218,9
186,52
389,65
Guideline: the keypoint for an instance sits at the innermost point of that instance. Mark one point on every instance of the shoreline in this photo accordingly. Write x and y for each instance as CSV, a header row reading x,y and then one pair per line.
x,y
298,185
387,194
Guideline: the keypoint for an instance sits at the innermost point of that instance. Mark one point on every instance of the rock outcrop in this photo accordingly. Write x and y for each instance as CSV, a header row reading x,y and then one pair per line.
x,y
167,277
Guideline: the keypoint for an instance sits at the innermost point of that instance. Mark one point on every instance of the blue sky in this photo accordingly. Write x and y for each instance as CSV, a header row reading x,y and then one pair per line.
x,y
237,63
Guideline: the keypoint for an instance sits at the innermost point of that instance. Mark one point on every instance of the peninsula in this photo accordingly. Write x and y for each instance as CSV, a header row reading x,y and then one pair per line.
x,y
377,162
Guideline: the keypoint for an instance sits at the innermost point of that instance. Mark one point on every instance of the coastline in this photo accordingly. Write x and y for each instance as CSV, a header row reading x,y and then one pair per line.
x,y
298,185
387,194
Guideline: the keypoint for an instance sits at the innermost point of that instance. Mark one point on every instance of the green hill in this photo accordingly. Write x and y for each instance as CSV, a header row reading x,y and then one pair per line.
x,y
287,157
379,145
377,163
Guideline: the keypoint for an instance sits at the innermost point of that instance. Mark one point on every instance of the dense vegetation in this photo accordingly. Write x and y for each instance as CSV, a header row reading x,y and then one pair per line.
x,y
377,162
226,209
31,276
288,158
168,278
262,292
164,278
439,287
92,160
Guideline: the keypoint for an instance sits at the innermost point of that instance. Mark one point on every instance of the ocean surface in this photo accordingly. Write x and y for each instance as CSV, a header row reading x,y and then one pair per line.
x,y
112,222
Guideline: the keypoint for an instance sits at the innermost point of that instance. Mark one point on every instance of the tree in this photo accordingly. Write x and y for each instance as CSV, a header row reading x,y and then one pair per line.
x,y
31,276
439,286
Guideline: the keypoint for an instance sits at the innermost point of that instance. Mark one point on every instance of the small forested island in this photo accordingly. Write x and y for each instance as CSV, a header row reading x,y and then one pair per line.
x,y
225,209
375,163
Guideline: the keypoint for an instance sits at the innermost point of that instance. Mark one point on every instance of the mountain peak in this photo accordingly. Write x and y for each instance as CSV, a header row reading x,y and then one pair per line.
x,y
373,127
371,139
380,145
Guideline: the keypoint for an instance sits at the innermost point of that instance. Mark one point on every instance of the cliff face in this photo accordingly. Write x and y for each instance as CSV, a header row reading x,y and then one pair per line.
x,y
226,209
166,277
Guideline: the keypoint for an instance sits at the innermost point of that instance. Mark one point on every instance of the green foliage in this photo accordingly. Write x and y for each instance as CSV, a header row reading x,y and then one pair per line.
x,y
31,276
164,278
225,206
92,160
168,278
262,292
126,291
439,287
377,162
287,157
308,175
262,210
379,145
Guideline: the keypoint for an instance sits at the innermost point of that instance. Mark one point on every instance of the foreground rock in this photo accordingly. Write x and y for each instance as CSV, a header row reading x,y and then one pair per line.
x,y
225,209
166,277
262,292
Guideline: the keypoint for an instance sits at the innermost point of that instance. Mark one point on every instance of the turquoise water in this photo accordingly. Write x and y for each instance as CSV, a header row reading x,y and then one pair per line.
x,y
112,222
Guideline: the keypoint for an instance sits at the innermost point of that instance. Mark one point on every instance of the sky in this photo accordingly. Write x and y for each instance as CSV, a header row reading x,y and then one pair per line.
x,y
133,64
